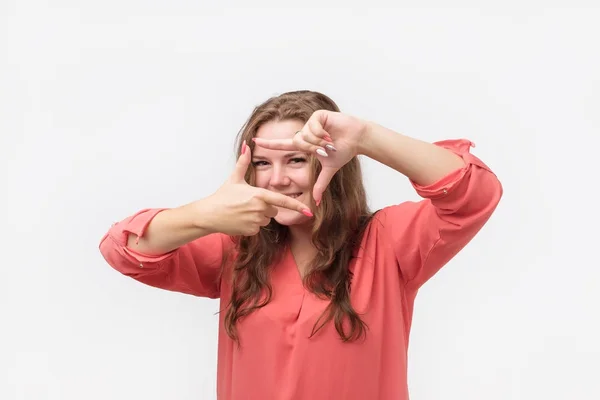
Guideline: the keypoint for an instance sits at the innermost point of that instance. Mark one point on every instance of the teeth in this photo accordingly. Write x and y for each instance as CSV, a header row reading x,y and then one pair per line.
x,y
293,196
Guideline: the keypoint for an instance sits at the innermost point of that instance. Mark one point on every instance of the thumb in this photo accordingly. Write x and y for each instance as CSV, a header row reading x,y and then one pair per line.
x,y
322,182
241,167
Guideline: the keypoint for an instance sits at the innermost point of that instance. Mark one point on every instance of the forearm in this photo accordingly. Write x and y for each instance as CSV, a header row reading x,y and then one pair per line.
x,y
173,228
423,163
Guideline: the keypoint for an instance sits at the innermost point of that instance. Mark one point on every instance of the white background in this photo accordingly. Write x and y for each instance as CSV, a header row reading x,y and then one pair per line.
x,y
108,107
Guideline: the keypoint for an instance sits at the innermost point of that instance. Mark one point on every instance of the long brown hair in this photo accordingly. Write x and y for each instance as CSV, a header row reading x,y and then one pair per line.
x,y
338,226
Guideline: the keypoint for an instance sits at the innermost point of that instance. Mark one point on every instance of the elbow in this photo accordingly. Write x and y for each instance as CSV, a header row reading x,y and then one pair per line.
x,y
109,252
494,191
127,261
486,199
115,256
476,204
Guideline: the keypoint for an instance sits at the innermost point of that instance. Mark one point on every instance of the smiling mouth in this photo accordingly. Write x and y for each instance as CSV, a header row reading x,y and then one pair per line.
x,y
294,195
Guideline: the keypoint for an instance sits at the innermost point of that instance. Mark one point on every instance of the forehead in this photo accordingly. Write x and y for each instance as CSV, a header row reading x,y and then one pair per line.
x,y
279,129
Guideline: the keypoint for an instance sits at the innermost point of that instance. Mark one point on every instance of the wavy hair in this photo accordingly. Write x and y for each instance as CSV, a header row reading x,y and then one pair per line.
x,y
339,223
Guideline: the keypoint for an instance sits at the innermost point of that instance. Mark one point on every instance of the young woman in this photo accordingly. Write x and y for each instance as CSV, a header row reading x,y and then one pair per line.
x,y
316,291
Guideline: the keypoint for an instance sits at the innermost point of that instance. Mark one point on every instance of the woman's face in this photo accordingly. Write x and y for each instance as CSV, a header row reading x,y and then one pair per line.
x,y
283,171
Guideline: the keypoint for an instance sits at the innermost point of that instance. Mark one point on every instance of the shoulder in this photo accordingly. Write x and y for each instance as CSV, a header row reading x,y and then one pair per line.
x,y
398,214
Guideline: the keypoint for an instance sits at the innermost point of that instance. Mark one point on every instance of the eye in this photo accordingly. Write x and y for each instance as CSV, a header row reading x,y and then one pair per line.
x,y
259,163
297,160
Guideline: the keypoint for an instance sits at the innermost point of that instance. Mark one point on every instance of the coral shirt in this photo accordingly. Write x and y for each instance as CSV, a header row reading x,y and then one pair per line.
x,y
403,246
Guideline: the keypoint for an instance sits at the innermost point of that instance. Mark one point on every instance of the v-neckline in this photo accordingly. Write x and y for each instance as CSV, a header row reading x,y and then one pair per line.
x,y
294,263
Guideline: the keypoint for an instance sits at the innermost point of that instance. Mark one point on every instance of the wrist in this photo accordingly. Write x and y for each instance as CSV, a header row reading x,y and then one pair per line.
x,y
202,215
365,139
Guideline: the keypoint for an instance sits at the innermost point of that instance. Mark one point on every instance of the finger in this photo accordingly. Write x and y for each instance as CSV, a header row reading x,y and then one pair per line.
x,y
323,180
316,142
265,221
241,167
271,211
301,140
316,128
280,200
275,144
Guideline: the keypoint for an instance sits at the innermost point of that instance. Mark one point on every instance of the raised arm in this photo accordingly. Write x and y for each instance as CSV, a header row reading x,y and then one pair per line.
x,y
170,229
422,162
182,249
162,248
459,193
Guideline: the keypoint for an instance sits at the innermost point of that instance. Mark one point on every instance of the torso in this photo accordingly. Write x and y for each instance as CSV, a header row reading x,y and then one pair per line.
x,y
278,359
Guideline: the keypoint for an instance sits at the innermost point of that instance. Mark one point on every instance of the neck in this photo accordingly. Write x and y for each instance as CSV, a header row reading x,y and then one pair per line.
x,y
302,248
300,236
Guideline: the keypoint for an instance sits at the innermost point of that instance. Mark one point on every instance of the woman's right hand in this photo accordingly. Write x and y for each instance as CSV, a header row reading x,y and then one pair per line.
x,y
238,208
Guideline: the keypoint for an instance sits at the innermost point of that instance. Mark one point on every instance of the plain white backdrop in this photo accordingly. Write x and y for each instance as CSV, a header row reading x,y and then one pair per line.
x,y
109,107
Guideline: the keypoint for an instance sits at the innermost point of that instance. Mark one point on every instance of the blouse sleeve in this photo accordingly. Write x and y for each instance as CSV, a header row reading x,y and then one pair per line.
x,y
425,235
194,268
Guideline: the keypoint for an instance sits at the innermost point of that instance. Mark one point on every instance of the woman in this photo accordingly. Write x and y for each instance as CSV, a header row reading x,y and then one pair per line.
x,y
316,291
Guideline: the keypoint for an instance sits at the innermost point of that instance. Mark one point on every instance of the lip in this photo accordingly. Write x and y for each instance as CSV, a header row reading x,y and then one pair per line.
x,y
292,194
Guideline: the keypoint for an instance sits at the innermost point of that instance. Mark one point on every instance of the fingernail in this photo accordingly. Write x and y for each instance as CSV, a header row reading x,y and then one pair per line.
x,y
322,153
330,147
244,147
328,138
254,139
318,202
307,212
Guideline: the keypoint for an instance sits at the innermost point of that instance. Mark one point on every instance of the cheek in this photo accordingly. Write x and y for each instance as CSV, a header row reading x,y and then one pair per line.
x,y
261,179
301,177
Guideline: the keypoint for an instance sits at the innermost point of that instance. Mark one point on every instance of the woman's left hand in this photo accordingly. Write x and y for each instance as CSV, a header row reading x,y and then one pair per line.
x,y
332,136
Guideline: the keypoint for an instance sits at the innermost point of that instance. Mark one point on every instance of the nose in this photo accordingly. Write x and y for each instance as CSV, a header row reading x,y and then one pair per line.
x,y
279,177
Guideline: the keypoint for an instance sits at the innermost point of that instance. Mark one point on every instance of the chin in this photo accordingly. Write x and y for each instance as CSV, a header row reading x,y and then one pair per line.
x,y
288,218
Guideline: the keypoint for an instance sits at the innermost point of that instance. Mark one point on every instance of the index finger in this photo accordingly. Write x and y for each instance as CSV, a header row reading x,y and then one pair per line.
x,y
276,144
281,200
241,167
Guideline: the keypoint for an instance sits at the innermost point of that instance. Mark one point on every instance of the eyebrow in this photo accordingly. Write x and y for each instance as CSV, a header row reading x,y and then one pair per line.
x,y
288,155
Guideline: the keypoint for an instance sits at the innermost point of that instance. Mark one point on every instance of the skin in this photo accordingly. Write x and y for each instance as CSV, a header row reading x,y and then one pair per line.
x,y
423,163
240,209
335,138
286,172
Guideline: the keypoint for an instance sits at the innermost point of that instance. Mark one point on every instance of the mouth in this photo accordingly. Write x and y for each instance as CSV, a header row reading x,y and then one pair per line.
x,y
293,195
